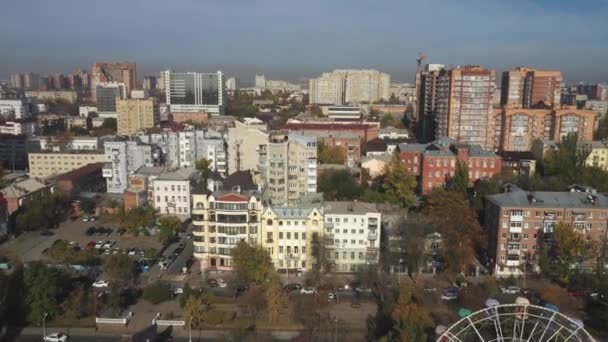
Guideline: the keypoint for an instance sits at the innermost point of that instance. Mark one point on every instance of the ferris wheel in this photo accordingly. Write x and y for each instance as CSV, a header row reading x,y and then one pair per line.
x,y
519,322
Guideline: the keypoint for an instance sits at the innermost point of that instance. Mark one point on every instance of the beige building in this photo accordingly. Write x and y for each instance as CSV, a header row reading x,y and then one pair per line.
x,y
288,167
47,164
136,115
244,141
529,88
221,220
289,236
350,87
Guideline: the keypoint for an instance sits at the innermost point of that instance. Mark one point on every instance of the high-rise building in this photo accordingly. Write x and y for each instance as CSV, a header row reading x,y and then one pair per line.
x,y
123,158
288,167
149,83
530,88
117,72
195,91
593,91
17,81
136,115
107,95
260,81
350,87
232,85
464,105
244,141
426,99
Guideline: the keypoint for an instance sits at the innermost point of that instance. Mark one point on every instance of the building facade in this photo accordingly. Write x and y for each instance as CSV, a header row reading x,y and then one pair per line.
x,y
135,115
48,164
194,92
114,72
27,128
123,158
244,141
529,88
426,99
349,87
222,219
173,191
14,109
107,95
464,105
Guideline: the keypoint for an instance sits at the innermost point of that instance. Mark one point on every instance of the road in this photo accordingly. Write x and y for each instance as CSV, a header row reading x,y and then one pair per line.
x,y
38,338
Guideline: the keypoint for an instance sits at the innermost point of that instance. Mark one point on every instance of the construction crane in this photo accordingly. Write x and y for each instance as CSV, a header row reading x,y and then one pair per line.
x,y
419,59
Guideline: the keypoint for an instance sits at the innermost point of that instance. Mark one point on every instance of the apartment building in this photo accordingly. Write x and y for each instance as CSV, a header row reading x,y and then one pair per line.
x,y
593,91
518,222
352,234
107,96
136,115
288,167
435,163
366,131
520,127
14,109
195,91
244,142
77,143
48,164
27,128
287,234
350,87
529,88
426,98
464,105
117,72
123,158
173,190
598,106
222,219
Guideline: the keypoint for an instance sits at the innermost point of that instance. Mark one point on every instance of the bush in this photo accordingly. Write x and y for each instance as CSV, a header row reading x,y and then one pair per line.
x,y
157,293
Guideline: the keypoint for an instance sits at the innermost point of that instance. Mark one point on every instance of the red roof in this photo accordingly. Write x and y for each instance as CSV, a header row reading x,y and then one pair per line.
x,y
232,198
80,172
329,126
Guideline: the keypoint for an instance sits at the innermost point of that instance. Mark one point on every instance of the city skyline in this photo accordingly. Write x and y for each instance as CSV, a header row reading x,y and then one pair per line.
x,y
354,34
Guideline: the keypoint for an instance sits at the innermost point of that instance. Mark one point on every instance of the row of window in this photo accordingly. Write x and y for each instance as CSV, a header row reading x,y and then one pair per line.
x,y
179,187
527,213
173,198
294,249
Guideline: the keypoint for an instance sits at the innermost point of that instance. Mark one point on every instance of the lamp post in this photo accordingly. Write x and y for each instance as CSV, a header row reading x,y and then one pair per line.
x,y
44,325
190,330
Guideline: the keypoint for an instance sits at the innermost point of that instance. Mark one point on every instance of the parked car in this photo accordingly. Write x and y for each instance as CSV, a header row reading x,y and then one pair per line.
x,y
101,284
109,244
178,251
121,232
212,282
91,244
178,291
308,290
189,236
450,293
86,218
577,293
91,231
164,264
292,287
132,251
55,337
108,231
99,244
510,290
331,296
47,233
222,283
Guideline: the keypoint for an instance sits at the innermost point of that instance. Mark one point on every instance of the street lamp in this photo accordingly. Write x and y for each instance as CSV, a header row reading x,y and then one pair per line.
x,y
44,325
190,330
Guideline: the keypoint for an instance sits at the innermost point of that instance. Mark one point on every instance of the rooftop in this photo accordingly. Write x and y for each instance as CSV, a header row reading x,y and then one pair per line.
x,y
291,213
25,187
353,208
80,172
549,199
182,174
386,157
376,145
242,179
235,196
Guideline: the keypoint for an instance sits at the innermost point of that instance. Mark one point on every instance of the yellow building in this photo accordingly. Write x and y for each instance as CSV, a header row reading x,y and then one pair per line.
x,y
47,164
136,115
221,220
598,155
287,235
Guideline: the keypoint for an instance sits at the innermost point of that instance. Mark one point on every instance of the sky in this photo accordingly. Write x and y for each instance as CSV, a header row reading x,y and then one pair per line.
x,y
288,39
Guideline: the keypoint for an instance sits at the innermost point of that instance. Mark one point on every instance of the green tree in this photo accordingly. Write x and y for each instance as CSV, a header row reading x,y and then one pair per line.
x,y
327,154
399,184
87,205
252,262
483,188
204,165
196,310
411,319
42,284
339,185
41,212
115,300
78,304
137,218
109,123
460,181
157,293
275,300
393,99
119,268
168,227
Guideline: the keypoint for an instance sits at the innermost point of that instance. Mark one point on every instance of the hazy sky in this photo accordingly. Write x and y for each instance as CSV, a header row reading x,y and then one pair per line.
x,y
294,39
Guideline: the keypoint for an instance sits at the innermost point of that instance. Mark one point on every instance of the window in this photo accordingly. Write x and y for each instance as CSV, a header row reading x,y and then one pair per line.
x,y
344,255
360,255
295,249
352,255
269,222
295,236
303,236
280,249
360,231
280,235
288,236
336,255
304,250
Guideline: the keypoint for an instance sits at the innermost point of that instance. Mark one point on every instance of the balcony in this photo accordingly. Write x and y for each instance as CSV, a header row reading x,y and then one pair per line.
x,y
513,263
515,229
372,236
513,252
517,218
329,225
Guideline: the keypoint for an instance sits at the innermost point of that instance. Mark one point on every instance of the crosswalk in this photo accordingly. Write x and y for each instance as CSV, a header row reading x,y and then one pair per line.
x,y
174,277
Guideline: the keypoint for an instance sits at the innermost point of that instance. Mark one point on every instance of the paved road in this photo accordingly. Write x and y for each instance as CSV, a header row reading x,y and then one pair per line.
x,y
38,338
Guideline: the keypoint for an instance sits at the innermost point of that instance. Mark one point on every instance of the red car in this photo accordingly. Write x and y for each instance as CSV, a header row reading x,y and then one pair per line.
x,y
577,293
91,244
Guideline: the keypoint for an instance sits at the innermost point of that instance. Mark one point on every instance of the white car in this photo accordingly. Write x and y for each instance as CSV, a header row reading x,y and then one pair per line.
x,y
221,283
86,219
99,244
510,290
101,284
109,244
56,337
178,291
308,290
132,252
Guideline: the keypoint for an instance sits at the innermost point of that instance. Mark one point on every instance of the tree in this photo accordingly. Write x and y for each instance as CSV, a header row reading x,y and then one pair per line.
x,y
196,310
460,181
275,300
41,212
458,225
204,165
62,252
327,154
42,284
252,262
157,293
483,188
78,304
110,124
393,99
411,320
252,301
339,185
323,263
137,218
87,205
115,301
168,227
119,268
398,183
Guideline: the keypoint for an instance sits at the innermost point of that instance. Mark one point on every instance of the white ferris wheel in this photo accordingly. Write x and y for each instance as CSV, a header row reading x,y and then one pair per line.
x,y
515,323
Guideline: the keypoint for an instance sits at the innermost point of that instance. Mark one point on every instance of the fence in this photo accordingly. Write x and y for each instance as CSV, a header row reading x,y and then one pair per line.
x,y
166,322
100,320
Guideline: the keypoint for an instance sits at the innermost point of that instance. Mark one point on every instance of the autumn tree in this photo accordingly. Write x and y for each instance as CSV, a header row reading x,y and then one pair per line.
x,y
398,184
196,310
458,225
327,154
339,186
252,263
253,301
168,227
460,181
204,165
568,248
137,218
87,205
275,299
119,268
411,319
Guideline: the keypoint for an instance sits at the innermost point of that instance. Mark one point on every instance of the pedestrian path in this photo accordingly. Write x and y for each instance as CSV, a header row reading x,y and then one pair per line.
x,y
174,277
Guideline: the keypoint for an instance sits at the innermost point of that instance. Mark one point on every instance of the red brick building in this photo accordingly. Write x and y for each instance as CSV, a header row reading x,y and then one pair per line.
x,y
365,130
88,178
435,163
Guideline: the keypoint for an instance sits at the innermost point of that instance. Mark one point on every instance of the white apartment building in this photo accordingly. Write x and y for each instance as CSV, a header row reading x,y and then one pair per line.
x,y
84,111
123,158
195,91
82,143
173,190
288,167
350,87
14,109
244,142
184,149
221,220
18,128
352,234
